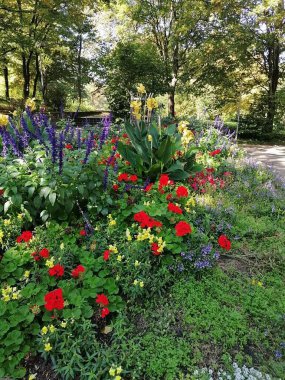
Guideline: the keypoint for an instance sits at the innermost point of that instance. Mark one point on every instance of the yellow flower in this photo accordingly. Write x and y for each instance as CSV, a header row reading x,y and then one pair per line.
x,y
52,328
48,347
149,137
50,263
33,376
118,377
135,282
137,116
136,105
63,324
259,283
4,120
113,248
137,263
7,222
6,298
1,236
119,258
141,284
27,274
44,330
61,246
128,235
151,103
20,216
119,370
15,296
112,371
31,104
141,89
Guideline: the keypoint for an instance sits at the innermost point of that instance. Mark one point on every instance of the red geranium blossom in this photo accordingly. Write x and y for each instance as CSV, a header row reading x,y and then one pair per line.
x,y
102,300
146,221
163,180
68,146
183,228
182,191
75,273
25,236
57,270
105,311
36,256
123,177
224,242
106,254
82,233
133,178
148,187
169,196
115,187
215,152
125,135
54,300
44,253
173,208
154,248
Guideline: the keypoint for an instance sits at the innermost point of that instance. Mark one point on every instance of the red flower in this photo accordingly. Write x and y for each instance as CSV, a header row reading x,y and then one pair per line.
x,y
106,255
169,196
210,170
224,242
115,187
105,311
215,152
68,146
128,163
26,236
1,192
148,187
36,256
133,178
123,177
183,228
145,220
173,208
82,233
54,300
226,174
102,300
44,253
57,270
75,273
125,135
154,248
182,191
163,180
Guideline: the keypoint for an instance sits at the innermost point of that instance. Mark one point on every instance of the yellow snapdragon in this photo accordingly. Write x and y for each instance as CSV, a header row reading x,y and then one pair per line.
x,y
44,330
113,248
128,235
50,262
112,222
48,347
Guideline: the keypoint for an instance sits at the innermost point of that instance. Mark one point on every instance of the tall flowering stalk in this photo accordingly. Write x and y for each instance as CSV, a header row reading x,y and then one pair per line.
x,y
5,142
106,128
53,143
109,161
89,146
60,152
78,138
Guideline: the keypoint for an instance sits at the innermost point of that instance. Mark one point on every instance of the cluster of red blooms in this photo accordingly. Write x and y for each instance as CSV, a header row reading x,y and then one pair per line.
x,y
102,301
173,208
54,300
154,249
25,236
146,221
43,254
68,146
224,242
56,271
125,177
111,160
182,191
183,228
148,187
76,273
163,182
106,255
82,233
215,152
201,179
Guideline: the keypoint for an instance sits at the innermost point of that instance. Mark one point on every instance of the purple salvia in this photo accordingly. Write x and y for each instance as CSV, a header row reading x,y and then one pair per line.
x,y
78,138
105,132
26,128
89,146
5,142
53,142
60,152
105,179
14,145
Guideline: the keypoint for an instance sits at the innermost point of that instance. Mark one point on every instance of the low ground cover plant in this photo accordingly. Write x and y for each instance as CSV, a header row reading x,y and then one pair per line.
x,y
122,242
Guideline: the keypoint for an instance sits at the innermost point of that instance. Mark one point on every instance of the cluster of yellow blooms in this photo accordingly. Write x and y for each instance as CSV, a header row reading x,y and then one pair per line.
x,y
4,120
187,135
112,222
128,235
136,109
50,262
1,236
9,293
161,244
136,105
258,283
140,283
31,104
190,202
51,329
145,234
116,372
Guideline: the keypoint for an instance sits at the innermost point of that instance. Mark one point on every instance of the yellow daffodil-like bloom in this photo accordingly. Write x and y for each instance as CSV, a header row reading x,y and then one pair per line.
x,y
48,347
145,235
141,89
141,284
137,116
113,248
4,120
187,136
44,330
63,324
52,328
149,137
112,371
15,295
50,262
136,107
161,244
31,104
6,298
151,103
128,235
137,263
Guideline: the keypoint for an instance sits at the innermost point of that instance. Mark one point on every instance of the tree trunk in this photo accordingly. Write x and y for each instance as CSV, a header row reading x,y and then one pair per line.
x,y
79,72
6,79
37,77
171,102
26,77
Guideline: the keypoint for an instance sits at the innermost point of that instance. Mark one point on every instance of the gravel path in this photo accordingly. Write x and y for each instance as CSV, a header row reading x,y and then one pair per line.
x,y
271,155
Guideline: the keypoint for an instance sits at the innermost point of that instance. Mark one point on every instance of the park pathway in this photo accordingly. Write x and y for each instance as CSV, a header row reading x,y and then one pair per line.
x,y
271,155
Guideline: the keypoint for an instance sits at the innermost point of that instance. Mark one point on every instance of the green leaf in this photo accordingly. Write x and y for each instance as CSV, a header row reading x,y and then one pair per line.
x,y
45,191
170,130
6,206
52,198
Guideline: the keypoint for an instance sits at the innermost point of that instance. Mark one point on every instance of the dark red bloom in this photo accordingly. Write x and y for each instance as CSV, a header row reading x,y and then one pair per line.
x,y
76,273
44,253
57,270
25,236
173,208
215,152
106,254
102,300
82,233
154,249
105,311
36,256
224,242
125,135
1,192
183,228
226,174
54,300
148,187
182,191
68,146
169,197
116,187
